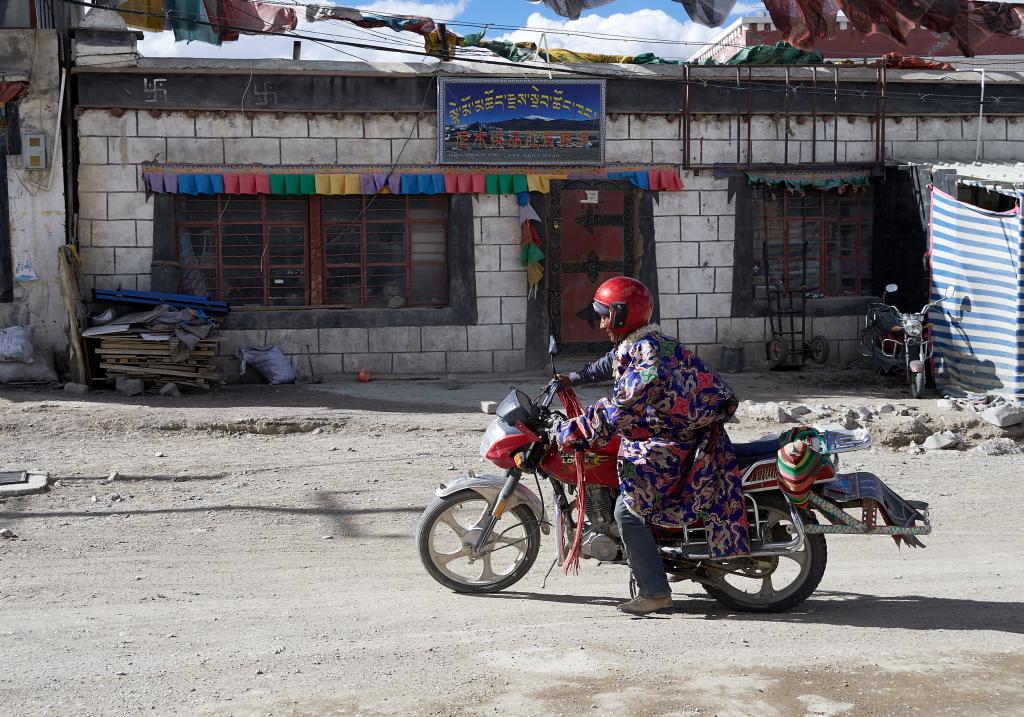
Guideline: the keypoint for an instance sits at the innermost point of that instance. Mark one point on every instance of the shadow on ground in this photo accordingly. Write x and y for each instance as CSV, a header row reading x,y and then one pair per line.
x,y
904,612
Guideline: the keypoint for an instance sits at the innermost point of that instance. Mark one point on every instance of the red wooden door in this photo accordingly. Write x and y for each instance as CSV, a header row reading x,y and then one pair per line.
x,y
593,240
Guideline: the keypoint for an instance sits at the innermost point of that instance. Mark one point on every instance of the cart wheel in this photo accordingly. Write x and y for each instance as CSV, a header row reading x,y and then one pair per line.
x,y
776,353
819,349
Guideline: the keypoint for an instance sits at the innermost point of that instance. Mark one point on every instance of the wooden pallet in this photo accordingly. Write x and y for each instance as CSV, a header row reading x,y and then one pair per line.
x,y
128,354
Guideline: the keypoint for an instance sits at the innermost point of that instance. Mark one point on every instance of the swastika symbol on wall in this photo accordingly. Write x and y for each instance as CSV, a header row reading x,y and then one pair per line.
x,y
153,90
265,94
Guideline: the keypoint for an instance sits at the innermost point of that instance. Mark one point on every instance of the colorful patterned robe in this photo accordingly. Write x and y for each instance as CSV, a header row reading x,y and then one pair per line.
x,y
668,406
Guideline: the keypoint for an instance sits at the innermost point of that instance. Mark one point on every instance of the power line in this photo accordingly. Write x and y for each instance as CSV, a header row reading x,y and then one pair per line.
x,y
591,34
550,31
623,73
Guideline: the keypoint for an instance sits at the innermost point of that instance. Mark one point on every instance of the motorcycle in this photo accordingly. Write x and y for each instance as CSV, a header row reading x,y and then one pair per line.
x,y
482,533
893,339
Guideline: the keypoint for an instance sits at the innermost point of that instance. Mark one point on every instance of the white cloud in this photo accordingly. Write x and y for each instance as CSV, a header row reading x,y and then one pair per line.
x,y
439,11
647,24
162,44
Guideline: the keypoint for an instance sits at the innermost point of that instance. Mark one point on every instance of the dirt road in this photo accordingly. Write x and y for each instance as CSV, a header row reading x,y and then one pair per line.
x,y
255,556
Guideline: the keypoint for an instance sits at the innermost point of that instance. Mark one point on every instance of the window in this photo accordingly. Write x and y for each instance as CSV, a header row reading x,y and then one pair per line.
x,y
819,240
25,14
386,251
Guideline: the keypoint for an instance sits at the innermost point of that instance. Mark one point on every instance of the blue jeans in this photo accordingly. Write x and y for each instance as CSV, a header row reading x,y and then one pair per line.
x,y
641,552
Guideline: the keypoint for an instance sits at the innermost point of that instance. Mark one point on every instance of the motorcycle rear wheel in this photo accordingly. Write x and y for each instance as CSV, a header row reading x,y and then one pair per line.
x,y
440,532
755,590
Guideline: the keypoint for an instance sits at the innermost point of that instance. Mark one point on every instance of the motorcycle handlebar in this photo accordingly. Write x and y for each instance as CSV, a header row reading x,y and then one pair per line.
x,y
932,304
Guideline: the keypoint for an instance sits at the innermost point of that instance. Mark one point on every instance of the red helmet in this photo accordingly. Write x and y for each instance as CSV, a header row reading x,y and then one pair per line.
x,y
627,301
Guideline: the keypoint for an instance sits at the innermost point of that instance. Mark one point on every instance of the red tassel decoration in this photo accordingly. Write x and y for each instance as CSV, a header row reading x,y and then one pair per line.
x,y
573,408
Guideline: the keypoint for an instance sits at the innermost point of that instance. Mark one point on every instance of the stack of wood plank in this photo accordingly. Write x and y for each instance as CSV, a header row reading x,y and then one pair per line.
x,y
148,355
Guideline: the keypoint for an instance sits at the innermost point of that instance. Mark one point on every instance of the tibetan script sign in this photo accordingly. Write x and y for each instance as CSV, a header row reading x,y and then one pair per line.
x,y
520,122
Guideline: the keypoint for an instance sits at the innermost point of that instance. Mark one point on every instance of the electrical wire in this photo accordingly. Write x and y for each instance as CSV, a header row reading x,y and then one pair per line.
x,y
625,73
513,28
328,37
590,34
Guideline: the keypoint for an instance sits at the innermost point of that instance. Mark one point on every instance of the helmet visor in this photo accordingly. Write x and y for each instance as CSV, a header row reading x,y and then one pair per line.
x,y
601,310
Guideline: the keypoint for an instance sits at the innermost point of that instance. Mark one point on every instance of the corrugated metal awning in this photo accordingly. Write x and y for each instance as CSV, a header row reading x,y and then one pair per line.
x,y
1003,177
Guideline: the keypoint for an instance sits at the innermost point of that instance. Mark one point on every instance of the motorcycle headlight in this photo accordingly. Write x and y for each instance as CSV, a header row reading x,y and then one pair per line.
x,y
495,432
913,328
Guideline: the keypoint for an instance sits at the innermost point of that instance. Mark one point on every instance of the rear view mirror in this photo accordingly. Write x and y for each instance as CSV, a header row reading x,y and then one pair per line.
x,y
552,346
950,292
891,288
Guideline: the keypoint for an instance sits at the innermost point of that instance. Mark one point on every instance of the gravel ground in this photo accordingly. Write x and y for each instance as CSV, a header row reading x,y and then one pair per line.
x,y
255,556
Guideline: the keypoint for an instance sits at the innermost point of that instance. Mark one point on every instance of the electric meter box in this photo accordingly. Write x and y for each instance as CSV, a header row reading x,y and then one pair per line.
x,y
33,148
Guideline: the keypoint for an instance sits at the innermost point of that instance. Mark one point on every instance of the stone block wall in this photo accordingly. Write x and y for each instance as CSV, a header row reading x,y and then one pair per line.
x,y
694,229
116,230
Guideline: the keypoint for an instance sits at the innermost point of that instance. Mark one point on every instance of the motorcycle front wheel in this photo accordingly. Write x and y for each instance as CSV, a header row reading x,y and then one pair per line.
x,y
917,380
445,533
772,584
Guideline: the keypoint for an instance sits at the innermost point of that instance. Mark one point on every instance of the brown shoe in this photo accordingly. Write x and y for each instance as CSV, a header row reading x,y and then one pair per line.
x,y
643,605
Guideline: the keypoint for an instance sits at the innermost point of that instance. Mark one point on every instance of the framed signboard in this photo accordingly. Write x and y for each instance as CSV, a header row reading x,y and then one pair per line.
x,y
520,122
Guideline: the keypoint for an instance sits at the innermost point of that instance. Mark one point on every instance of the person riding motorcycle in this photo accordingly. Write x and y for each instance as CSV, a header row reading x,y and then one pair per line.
x,y
676,463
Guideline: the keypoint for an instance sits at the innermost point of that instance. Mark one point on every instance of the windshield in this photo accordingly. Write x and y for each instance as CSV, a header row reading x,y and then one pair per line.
x,y
496,431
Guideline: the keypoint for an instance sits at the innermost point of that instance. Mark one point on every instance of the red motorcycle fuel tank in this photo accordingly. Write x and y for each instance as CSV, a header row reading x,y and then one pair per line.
x,y
600,466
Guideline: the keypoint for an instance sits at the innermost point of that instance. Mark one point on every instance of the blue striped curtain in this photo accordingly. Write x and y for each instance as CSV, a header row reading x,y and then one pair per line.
x,y
979,334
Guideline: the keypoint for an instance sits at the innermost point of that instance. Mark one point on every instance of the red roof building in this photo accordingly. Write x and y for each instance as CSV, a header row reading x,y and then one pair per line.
x,y
848,44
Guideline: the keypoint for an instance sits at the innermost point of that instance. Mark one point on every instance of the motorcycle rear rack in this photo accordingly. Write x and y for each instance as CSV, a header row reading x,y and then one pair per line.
x,y
843,524
846,524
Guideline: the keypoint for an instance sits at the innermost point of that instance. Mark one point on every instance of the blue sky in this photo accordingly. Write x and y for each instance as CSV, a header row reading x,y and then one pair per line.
x,y
515,12
627,27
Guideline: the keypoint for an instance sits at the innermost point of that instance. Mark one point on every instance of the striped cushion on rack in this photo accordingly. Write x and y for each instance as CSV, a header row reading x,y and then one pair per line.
x,y
802,460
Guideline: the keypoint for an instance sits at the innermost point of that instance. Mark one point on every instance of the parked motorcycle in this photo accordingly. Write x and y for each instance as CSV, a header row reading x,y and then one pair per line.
x,y
896,340
482,532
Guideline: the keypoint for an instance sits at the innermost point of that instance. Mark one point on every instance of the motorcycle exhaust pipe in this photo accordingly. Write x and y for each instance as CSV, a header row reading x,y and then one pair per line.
x,y
767,550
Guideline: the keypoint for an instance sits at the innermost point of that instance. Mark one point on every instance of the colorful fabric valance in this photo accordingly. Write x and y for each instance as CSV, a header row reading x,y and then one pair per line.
x,y
798,180
194,180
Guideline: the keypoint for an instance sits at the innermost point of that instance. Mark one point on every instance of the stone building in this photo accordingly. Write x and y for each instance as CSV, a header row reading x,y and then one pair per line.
x,y
819,170
32,166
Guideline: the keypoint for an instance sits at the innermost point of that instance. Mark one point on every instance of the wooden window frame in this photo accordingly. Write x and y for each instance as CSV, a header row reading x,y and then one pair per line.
x,y
315,264
364,221
824,219
265,265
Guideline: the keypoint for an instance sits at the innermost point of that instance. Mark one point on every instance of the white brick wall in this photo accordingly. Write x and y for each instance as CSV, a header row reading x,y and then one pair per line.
x,y
232,125
270,125
388,126
343,126
376,151
694,229
315,150
116,228
168,124
444,338
395,339
253,150
653,127
488,310
193,150
486,337
341,341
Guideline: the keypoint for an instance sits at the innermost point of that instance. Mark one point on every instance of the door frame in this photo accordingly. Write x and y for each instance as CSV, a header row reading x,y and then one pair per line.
x,y
631,251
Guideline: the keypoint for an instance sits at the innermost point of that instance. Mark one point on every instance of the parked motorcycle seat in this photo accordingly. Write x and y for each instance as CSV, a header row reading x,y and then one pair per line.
x,y
754,451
